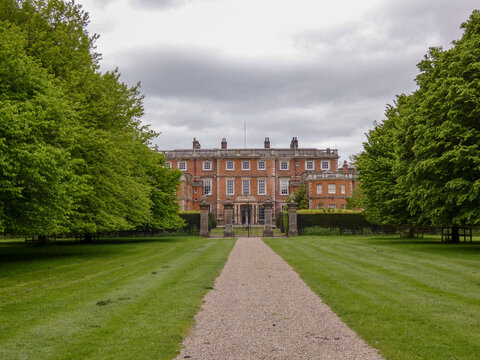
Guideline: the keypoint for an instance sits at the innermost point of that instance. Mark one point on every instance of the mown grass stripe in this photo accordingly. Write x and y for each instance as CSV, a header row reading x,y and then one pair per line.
x,y
63,321
410,299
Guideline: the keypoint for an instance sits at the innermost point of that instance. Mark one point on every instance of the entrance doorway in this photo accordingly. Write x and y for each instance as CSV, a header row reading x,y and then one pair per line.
x,y
246,212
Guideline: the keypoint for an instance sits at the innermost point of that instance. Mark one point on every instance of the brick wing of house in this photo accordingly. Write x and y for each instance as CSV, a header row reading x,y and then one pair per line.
x,y
247,176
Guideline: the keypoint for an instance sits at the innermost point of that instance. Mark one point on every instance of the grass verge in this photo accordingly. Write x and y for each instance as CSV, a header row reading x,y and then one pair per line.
x,y
417,299
125,299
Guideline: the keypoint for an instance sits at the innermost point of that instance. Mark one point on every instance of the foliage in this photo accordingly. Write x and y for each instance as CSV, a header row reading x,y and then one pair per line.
x,y
75,156
331,211
300,196
421,165
191,220
331,220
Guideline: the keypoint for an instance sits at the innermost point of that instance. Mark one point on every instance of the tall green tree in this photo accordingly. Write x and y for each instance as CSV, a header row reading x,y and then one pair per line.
x,y
421,165
300,196
100,151
38,181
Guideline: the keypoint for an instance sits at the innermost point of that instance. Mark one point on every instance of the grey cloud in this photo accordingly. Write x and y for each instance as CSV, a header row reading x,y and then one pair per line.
x,y
162,4
331,99
174,73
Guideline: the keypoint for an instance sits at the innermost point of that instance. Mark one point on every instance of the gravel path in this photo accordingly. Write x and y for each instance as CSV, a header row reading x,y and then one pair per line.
x,y
261,309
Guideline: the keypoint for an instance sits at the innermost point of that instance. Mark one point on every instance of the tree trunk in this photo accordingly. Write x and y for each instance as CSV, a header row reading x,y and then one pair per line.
x,y
411,232
88,238
455,234
42,240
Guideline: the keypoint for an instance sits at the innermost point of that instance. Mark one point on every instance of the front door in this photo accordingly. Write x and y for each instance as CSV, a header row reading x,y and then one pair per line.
x,y
246,214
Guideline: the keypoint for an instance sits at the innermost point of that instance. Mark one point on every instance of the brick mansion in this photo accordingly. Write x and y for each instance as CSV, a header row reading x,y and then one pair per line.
x,y
247,176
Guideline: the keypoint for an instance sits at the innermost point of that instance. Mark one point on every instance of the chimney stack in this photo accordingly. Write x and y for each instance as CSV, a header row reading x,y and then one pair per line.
x,y
294,143
266,143
224,143
196,144
345,167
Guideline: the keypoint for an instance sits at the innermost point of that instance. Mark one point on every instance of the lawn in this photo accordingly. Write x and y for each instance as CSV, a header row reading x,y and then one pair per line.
x,y
128,299
417,299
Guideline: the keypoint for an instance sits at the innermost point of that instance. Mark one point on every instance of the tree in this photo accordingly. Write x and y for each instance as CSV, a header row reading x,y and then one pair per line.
x,y
427,151
38,183
300,196
79,131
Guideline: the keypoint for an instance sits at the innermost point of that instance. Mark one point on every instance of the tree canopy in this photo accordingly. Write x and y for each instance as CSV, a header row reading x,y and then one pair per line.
x,y
75,156
421,164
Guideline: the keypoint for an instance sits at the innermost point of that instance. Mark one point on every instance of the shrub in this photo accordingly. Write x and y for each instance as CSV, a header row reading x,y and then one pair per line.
x,y
309,219
192,221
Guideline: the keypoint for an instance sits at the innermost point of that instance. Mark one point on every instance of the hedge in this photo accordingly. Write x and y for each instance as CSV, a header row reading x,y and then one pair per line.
x,y
192,220
341,220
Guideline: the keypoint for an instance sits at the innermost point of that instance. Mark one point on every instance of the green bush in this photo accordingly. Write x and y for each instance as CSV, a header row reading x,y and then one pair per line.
x,y
212,222
192,221
330,220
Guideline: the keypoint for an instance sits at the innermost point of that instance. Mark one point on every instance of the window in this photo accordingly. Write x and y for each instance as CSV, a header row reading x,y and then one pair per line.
x,y
283,186
319,206
342,189
246,187
245,165
332,189
230,186
261,213
309,165
319,189
168,164
332,206
182,165
342,206
207,165
261,165
283,165
230,165
207,186
325,165
261,187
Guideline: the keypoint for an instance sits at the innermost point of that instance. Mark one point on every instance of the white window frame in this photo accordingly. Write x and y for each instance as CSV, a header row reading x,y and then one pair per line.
x,y
209,168
180,166
319,187
264,165
232,181
205,182
343,189
245,168
332,206
343,206
264,192
284,186
282,163
168,164
332,188
245,189
230,162
327,163
319,206
309,165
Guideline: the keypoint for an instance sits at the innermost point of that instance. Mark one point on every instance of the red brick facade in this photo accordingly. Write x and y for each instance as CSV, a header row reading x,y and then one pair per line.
x,y
248,175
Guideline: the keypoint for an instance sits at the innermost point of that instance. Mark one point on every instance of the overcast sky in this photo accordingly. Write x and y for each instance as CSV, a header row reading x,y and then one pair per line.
x,y
322,71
